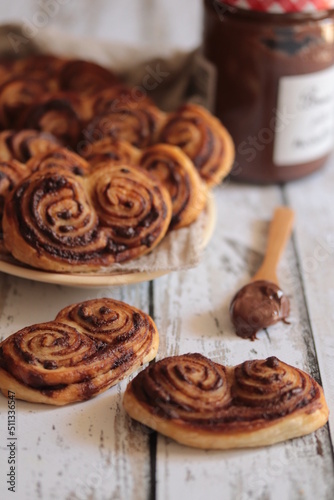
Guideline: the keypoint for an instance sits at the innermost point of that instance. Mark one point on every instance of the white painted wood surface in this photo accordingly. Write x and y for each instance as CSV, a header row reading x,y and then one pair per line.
x,y
92,450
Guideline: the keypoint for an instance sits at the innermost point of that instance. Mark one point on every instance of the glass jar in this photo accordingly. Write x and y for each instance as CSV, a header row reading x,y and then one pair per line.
x,y
274,88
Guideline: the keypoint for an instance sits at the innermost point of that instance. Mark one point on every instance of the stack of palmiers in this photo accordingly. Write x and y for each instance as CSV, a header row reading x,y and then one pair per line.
x,y
140,173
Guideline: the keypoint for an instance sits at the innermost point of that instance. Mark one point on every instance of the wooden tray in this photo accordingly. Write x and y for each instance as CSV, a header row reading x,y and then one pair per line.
x,y
86,280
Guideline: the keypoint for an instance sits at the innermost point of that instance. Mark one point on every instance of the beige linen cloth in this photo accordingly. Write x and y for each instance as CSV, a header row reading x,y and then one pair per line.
x,y
168,79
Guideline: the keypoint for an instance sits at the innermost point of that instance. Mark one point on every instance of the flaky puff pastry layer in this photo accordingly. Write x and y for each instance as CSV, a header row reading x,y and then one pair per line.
x,y
203,404
89,347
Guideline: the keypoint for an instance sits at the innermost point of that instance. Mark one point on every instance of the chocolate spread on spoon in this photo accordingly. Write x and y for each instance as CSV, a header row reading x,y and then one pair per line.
x,y
258,305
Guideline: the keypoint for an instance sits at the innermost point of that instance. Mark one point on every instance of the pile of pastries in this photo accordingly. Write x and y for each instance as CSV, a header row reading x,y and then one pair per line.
x,y
91,171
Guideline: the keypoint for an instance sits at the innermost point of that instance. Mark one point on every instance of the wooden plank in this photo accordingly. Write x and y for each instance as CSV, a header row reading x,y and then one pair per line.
x,y
85,450
312,198
191,310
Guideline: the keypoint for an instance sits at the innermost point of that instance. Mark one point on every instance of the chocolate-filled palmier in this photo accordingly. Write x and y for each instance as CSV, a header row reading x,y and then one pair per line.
x,y
22,145
118,96
85,76
12,173
60,158
49,223
138,126
58,114
16,96
43,67
178,174
206,405
89,347
111,151
132,206
203,138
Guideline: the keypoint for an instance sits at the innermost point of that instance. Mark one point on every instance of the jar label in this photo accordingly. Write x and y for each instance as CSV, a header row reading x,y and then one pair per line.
x,y
304,118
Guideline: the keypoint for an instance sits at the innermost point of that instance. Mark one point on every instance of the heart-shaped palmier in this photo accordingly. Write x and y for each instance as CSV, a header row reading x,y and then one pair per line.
x,y
89,347
206,405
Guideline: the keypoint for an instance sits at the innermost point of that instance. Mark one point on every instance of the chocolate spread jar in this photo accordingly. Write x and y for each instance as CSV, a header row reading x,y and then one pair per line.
x,y
273,67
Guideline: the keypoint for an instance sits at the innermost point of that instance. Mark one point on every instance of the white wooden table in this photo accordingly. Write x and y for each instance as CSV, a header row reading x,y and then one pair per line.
x,y
93,450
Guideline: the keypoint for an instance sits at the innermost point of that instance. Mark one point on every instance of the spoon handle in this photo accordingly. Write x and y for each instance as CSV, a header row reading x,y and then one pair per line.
x,y
279,233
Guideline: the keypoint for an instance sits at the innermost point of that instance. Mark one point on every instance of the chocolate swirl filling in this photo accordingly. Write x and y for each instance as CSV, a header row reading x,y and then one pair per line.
x,y
196,392
202,139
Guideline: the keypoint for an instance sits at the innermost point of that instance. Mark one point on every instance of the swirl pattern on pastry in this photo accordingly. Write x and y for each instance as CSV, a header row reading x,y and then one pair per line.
x,y
85,76
12,173
22,145
58,114
50,223
16,95
118,96
89,347
134,207
138,126
178,174
111,151
60,158
206,405
204,140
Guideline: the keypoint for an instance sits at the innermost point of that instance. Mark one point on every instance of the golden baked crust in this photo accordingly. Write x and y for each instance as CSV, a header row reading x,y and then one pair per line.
x,y
177,173
206,405
203,138
89,347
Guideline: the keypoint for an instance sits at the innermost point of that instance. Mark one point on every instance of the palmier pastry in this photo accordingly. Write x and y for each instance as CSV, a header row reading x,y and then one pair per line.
x,y
49,223
90,347
6,71
16,95
133,206
203,138
58,114
44,67
178,174
11,173
206,405
139,126
85,76
60,158
118,96
111,151
24,144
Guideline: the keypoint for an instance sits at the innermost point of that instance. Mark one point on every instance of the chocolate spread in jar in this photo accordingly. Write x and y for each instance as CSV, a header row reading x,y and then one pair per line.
x,y
258,305
252,52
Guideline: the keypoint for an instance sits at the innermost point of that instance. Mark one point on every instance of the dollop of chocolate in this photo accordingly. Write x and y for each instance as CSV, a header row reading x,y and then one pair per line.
x,y
258,305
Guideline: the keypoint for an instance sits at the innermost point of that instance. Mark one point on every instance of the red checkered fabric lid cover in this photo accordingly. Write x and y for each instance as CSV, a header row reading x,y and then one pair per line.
x,y
282,6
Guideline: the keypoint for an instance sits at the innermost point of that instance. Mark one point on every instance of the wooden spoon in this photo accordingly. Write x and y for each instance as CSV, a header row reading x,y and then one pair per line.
x,y
279,233
261,302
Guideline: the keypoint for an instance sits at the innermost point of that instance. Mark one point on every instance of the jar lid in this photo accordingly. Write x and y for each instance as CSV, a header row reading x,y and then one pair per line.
x,y
281,6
